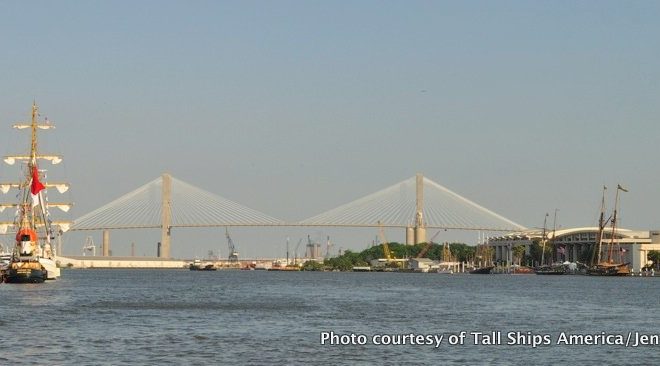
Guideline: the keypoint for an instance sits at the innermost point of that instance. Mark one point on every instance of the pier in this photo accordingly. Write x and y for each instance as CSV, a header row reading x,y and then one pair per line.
x,y
88,262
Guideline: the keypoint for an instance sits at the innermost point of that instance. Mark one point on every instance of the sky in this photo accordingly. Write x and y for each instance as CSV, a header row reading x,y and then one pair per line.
x,y
293,108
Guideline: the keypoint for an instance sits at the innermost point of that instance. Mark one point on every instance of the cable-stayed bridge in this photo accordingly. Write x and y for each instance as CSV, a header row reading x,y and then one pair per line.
x,y
415,204
399,204
189,206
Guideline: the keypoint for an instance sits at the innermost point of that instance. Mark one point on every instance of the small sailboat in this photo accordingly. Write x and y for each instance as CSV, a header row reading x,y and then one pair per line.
x,y
33,258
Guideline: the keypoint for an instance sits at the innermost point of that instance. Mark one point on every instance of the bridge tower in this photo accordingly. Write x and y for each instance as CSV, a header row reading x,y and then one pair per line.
x,y
417,234
420,228
106,243
166,216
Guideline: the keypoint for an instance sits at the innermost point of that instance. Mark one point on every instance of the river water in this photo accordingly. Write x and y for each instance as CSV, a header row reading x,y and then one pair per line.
x,y
181,317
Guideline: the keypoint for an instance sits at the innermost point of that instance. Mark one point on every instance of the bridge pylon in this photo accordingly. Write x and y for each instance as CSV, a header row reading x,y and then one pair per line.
x,y
420,228
415,204
166,216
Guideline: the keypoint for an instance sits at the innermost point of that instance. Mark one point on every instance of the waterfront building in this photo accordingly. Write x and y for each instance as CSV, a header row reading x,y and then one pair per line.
x,y
422,264
577,245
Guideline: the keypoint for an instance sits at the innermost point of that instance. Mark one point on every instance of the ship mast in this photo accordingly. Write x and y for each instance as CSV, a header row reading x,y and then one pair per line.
x,y
33,126
616,206
30,218
33,167
32,163
27,218
601,226
543,240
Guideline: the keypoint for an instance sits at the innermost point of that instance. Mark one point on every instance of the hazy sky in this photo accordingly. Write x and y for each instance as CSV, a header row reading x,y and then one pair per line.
x,y
295,107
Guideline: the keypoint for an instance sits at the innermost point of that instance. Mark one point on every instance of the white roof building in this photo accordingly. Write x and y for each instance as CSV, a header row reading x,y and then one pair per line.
x,y
578,244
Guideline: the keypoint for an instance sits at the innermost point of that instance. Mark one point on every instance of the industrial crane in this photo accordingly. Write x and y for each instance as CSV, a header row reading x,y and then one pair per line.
x,y
295,253
428,246
233,254
311,249
386,247
328,245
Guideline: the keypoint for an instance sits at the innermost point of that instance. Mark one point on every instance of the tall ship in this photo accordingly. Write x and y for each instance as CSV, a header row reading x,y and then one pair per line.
x,y
33,258
608,266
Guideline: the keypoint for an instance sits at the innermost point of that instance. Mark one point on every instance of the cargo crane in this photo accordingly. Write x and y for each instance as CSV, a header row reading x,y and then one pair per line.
x,y
386,247
328,245
309,249
295,253
233,254
428,246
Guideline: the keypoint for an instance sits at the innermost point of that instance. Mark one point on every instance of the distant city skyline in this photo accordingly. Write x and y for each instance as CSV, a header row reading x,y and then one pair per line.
x,y
293,108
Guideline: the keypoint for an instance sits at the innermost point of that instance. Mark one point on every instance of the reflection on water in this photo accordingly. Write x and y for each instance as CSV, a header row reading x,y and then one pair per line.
x,y
252,317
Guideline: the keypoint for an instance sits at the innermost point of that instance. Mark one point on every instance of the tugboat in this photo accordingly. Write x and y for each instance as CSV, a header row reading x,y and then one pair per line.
x,y
24,266
32,259
197,265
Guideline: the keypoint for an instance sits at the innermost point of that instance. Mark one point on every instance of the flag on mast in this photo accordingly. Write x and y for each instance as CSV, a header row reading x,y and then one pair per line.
x,y
36,186
621,188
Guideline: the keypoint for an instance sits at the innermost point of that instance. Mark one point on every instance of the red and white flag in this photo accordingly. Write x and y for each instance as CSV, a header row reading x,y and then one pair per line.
x,y
36,186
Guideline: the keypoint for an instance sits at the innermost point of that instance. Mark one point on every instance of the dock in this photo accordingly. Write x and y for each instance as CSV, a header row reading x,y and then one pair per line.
x,y
156,262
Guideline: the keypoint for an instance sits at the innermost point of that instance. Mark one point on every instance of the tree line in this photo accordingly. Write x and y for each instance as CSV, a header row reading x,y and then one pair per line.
x,y
460,252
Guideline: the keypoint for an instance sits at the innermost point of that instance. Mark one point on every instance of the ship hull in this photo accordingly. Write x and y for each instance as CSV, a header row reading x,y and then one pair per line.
x,y
208,267
550,271
609,270
483,270
26,275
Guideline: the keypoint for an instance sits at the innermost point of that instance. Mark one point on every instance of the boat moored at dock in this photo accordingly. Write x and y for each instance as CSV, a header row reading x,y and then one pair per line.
x,y
198,265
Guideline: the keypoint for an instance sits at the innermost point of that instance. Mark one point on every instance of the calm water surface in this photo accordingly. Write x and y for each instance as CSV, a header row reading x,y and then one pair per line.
x,y
180,317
